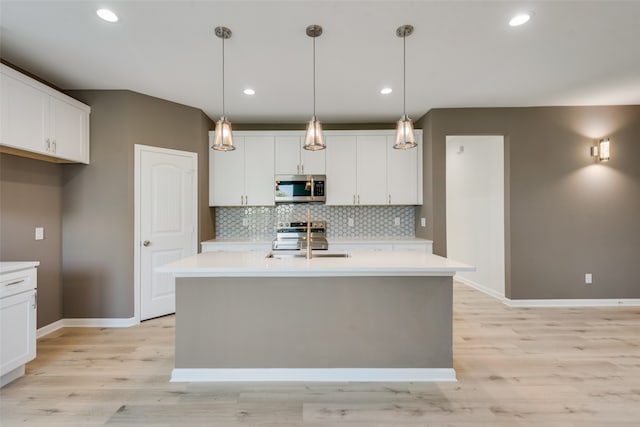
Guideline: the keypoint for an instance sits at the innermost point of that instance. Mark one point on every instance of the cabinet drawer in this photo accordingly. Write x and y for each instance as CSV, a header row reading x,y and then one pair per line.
x,y
18,281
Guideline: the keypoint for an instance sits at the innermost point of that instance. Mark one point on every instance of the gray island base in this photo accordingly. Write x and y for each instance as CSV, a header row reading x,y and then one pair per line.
x,y
379,316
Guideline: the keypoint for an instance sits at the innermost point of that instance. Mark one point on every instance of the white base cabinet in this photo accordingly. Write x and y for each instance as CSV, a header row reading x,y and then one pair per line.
x,y
39,122
18,302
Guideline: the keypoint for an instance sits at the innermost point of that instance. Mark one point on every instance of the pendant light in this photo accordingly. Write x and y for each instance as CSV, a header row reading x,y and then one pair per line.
x,y
223,137
405,138
314,139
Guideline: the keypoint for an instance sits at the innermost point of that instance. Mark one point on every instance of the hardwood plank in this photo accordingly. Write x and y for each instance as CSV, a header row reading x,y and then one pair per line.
x,y
515,366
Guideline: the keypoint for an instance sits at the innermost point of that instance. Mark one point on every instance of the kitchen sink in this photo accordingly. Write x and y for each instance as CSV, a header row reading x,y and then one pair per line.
x,y
279,255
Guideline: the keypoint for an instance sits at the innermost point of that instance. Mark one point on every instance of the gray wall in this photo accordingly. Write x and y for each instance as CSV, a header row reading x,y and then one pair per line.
x,y
30,197
98,205
566,214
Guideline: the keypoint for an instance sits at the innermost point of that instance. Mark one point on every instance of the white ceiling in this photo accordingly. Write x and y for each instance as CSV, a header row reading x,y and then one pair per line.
x,y
461,54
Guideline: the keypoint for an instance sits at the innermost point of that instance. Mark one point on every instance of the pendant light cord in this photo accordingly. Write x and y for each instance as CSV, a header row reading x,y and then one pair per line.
x,y
404,75
314,78
223,111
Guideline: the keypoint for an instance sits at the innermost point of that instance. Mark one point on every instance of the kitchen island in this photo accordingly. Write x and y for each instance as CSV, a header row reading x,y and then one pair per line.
x,y
371,316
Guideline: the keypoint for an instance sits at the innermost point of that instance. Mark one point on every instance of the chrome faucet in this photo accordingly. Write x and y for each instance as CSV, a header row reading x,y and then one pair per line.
x,y
309,252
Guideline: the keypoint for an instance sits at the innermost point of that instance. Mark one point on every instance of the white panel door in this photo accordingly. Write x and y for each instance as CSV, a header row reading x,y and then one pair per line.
x,y
168,224
287,156
402,174
226,175
259,184
341,172
67,130
372,170
24,116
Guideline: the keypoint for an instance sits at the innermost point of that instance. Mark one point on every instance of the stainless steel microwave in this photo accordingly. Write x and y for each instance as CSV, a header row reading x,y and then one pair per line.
x,y
300,189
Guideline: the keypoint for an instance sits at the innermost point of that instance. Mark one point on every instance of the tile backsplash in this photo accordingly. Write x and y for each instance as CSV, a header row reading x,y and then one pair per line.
x,y
259,223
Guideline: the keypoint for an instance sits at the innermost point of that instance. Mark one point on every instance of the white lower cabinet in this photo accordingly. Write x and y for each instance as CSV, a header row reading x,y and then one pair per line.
x,y
389,245
18,303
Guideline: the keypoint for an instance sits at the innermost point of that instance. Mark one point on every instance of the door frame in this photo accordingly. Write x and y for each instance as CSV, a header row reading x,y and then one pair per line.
x,y
137,245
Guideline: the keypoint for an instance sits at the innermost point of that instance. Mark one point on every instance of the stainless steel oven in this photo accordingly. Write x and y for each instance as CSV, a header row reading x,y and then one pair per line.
x,y
300,189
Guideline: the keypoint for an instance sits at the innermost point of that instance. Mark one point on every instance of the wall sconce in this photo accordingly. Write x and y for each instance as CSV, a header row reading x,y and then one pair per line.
x,y
601,150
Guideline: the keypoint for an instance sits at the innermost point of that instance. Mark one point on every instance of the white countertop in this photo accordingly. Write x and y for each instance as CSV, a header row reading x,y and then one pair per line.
x,y
11,266
359,263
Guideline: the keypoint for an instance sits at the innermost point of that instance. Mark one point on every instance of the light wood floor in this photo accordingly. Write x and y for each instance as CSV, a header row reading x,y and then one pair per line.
x,y
516,367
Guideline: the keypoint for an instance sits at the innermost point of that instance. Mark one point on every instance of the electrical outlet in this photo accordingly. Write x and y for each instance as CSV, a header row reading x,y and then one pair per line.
x,y
39,233
350,222
588,278
396,221
245,222
423,222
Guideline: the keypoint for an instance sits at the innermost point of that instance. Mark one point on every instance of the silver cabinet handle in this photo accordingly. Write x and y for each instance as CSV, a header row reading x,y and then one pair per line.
x,y
246,200
35,301
54,146
17,282
302,169
389,198
354,199
48,145
358,199
241,200
146,243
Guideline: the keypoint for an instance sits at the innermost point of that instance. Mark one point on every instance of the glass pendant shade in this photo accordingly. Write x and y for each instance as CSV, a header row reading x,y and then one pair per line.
x,y
314,140
604,153
223,137
405,138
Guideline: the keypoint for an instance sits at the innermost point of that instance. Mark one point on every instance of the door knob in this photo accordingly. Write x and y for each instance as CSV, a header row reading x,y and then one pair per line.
x,y
146,243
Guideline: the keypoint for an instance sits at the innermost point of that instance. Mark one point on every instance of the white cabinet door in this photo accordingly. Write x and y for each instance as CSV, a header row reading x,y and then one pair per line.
x,y
402,174
24,119
312,162
259,168
17,330
287,155
372,170
226,175
68,130
341,154
292,159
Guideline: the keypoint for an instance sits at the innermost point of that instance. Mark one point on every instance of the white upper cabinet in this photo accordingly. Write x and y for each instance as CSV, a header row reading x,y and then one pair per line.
x,y
244,176
363,168
37,121
404,173
372,170
292,159
259,181
341,188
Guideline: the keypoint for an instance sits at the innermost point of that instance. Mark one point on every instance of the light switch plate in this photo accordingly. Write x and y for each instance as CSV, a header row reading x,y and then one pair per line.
x,y
350,222
588,278
245,222
396,221
39,233
423,222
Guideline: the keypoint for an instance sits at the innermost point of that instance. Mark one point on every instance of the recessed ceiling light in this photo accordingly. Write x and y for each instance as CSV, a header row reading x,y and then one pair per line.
x,y
386,90
107,15
249,91
519,19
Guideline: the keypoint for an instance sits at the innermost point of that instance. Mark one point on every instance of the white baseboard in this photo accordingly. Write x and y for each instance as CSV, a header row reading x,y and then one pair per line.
x,y
314,375
86,323
531,303
624,302
480,287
